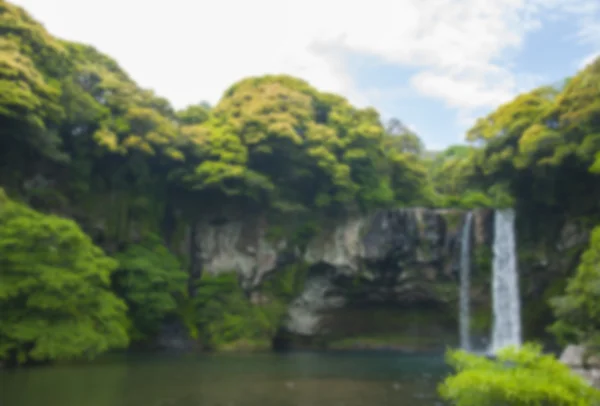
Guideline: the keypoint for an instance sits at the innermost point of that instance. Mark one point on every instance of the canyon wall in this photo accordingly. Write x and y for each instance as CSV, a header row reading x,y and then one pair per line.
x,y
389,278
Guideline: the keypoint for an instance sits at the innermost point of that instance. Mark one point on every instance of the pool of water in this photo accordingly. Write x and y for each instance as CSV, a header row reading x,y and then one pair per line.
x,y
294,379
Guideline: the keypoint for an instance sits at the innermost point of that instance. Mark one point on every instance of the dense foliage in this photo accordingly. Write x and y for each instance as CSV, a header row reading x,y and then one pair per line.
x,y
538,153
150,279
578,310
79,139
521,377
272,141
279,142
55,299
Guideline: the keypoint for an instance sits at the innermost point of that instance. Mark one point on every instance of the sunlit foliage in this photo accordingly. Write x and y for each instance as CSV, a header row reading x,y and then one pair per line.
x,y
517,377
80,138
578,310
55,299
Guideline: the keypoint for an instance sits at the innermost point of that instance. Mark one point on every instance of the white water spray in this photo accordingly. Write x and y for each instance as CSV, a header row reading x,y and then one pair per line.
x,y
464,315
505,284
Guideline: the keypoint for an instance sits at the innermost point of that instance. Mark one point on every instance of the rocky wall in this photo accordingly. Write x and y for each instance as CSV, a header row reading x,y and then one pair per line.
x,y
396,262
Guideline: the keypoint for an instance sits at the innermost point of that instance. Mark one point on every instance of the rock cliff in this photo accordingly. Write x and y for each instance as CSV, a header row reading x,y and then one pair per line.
x,y
400,260
387,279
574,356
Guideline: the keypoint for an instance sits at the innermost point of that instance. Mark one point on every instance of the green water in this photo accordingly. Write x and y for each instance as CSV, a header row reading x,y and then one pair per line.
x,y
296,379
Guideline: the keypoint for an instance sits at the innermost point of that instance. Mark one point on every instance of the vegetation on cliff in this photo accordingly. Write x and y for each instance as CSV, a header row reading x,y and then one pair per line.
x,y
543,150
578,310
79,139
538,153
272,142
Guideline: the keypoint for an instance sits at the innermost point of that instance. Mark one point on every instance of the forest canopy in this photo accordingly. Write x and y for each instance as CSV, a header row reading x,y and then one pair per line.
x,y
86,152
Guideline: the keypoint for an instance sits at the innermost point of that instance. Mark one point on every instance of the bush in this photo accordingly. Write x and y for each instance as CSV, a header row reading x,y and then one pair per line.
x,y
55,300
577,310
220,314
150,279
517,377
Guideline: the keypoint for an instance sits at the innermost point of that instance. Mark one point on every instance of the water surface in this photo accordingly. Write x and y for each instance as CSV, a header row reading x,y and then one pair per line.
x,y
295,379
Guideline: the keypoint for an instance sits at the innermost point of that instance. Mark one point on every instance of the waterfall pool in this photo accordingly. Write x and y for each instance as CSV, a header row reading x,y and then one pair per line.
x,y
294,379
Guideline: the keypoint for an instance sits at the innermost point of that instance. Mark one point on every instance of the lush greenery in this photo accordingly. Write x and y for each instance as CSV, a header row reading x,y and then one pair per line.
x,y
150,279
78,138
220,315
523,377
54,297
540,153
108,185
578,310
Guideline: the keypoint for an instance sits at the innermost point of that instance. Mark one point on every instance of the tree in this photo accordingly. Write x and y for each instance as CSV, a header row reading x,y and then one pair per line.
x,y
195,114
150,279
54,297
578,309
290,148
517,377
403,138
222,315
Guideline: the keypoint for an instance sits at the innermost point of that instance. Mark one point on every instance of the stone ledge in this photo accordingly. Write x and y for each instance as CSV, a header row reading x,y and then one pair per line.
x,y
574,357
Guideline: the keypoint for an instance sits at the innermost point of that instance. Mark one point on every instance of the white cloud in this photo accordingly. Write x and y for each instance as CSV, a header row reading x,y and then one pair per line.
x,y
588,28
193,50
588,59
189,51
468,89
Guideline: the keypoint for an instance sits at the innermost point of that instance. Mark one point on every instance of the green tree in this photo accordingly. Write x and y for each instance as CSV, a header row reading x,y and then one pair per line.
x,y
517,377
290,148
54,297
223,316
578,309
29,103
403,138
195,114
151,280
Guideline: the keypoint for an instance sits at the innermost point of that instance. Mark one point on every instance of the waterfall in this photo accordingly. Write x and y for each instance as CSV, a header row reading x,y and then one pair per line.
x,y
505,283
464,315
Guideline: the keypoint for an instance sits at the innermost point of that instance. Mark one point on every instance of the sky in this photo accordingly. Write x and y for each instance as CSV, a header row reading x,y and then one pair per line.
x,y
436,65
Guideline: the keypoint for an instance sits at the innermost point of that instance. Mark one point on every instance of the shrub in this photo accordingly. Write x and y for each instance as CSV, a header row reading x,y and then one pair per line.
x,y
517,377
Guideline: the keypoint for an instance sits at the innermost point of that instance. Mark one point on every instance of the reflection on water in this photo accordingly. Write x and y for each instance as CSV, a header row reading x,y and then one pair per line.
x,y
297,379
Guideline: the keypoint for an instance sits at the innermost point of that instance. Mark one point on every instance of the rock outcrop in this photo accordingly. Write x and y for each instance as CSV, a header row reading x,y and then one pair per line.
x,y
391,272
397,257
588,367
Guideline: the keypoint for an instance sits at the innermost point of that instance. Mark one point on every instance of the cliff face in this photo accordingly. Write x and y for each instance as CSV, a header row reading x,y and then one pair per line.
x,y
391,262
387,279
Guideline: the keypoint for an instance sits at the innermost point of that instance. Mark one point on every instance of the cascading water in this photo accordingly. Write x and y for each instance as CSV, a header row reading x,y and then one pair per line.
x,y
464,315
505,283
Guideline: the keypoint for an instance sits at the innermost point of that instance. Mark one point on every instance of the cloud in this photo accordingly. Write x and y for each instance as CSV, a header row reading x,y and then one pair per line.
x,y
588,59
467,89
189,51
588,33
412,127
